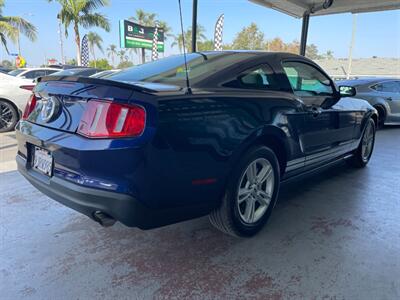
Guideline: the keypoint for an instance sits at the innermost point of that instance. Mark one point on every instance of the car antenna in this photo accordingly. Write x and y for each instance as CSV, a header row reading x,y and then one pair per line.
x,y
189,90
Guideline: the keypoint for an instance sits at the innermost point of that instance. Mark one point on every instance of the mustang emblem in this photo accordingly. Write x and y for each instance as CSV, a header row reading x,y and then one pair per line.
x,y
49,109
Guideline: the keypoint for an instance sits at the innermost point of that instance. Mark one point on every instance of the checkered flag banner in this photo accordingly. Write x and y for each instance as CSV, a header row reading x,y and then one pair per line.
x,y
85,52
219,28
154,52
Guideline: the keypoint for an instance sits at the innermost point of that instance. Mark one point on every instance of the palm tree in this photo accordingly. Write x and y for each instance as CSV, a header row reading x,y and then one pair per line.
x,y
122,55
112,52
178,40
11,27
149,19
81,13
94,40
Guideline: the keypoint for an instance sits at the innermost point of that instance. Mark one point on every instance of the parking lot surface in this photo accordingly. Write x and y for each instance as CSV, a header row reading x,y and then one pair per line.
x,y
332,235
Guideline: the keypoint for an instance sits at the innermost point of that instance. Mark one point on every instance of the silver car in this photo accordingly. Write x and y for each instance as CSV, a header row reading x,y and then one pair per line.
x,y
381,93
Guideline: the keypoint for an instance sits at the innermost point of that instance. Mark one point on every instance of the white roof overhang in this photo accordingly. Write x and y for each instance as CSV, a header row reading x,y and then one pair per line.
x,y
297,8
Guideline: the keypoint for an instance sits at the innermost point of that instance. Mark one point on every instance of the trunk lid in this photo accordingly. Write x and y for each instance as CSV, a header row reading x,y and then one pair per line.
x,y
61,101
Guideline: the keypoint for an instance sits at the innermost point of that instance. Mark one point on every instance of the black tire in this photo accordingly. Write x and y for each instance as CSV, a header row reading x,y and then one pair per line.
x,y
8,116
227,217
381,116
360,159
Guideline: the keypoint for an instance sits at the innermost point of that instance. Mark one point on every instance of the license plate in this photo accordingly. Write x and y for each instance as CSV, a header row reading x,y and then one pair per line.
x,y
42,161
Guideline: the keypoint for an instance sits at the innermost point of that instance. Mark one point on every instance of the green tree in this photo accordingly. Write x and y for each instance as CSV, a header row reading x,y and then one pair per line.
x,y
329,54
205,46
122,55
82,13
293,47
101,64
250,38
125,64
275,45
72,62
178,40
150,19
312,52
112,52
12,26
94,40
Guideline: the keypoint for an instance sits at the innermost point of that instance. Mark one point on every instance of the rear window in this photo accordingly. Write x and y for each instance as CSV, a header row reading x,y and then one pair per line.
x,y
16,72
171,70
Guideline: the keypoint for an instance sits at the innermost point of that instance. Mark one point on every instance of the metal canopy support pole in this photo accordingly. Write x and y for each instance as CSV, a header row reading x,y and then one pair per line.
x,y
194,26
304,33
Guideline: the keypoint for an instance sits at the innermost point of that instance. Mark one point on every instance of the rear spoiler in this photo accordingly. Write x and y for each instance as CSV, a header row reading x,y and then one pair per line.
x,y
97,81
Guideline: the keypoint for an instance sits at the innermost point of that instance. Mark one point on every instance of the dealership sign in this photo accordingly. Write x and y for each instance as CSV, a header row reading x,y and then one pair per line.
x,y
132,35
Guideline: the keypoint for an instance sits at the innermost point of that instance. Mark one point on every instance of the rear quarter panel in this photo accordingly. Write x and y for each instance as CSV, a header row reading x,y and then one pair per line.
x,y
202,137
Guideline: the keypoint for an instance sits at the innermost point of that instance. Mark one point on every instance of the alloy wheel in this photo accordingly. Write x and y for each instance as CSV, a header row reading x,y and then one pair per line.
x,y
6,116
367,142
255,191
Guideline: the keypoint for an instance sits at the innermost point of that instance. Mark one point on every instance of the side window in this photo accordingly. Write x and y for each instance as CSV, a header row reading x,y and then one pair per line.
x,y
397,88
49,72
34,74
260,78
306,80
377,87
30,75
387,87
40,73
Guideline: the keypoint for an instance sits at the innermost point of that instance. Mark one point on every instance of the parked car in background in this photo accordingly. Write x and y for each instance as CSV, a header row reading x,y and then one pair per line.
x,y
5,70
80,72
14,94
144,148
381,93
32,73
104,74
63,67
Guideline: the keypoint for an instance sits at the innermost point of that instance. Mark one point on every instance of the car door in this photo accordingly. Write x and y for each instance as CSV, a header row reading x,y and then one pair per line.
x,y
326,133
390,92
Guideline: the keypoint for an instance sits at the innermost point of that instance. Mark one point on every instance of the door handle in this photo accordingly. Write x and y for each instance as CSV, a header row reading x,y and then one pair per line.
x,y
389,98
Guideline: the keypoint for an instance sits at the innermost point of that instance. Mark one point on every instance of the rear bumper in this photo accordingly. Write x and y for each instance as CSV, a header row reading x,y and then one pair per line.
x,y
121,207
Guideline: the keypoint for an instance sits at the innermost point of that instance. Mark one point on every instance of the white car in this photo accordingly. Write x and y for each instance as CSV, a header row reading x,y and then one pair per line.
x,y
14,94
32,73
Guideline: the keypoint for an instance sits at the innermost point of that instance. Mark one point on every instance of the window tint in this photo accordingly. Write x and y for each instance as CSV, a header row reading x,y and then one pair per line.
x,y
16,72
35,74
171,70
261,78
307,80
388,87
49,72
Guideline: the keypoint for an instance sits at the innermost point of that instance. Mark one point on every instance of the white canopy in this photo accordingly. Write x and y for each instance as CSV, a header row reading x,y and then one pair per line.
x,y
297,8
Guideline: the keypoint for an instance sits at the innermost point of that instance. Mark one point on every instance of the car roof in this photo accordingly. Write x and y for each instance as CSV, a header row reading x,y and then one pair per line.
x,y
255,53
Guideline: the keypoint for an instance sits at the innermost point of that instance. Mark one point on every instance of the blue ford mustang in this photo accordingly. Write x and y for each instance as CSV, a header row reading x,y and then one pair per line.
x,y
156,144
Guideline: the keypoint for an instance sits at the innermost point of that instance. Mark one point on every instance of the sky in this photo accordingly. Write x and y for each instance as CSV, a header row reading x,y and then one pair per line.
x,y
377,34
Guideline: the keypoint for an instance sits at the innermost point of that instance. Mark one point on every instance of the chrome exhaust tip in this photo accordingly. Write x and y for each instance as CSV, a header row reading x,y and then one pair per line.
x,y
103,219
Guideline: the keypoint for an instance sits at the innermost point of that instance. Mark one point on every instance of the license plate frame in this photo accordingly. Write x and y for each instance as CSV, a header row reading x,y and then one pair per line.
x,y
42,161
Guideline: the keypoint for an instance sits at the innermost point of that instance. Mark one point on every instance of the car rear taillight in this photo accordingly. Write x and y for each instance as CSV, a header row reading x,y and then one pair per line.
x,y
27,87
30,106
103,119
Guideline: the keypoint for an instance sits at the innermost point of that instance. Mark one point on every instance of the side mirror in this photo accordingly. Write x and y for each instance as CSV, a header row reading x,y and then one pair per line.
x,y
347,91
